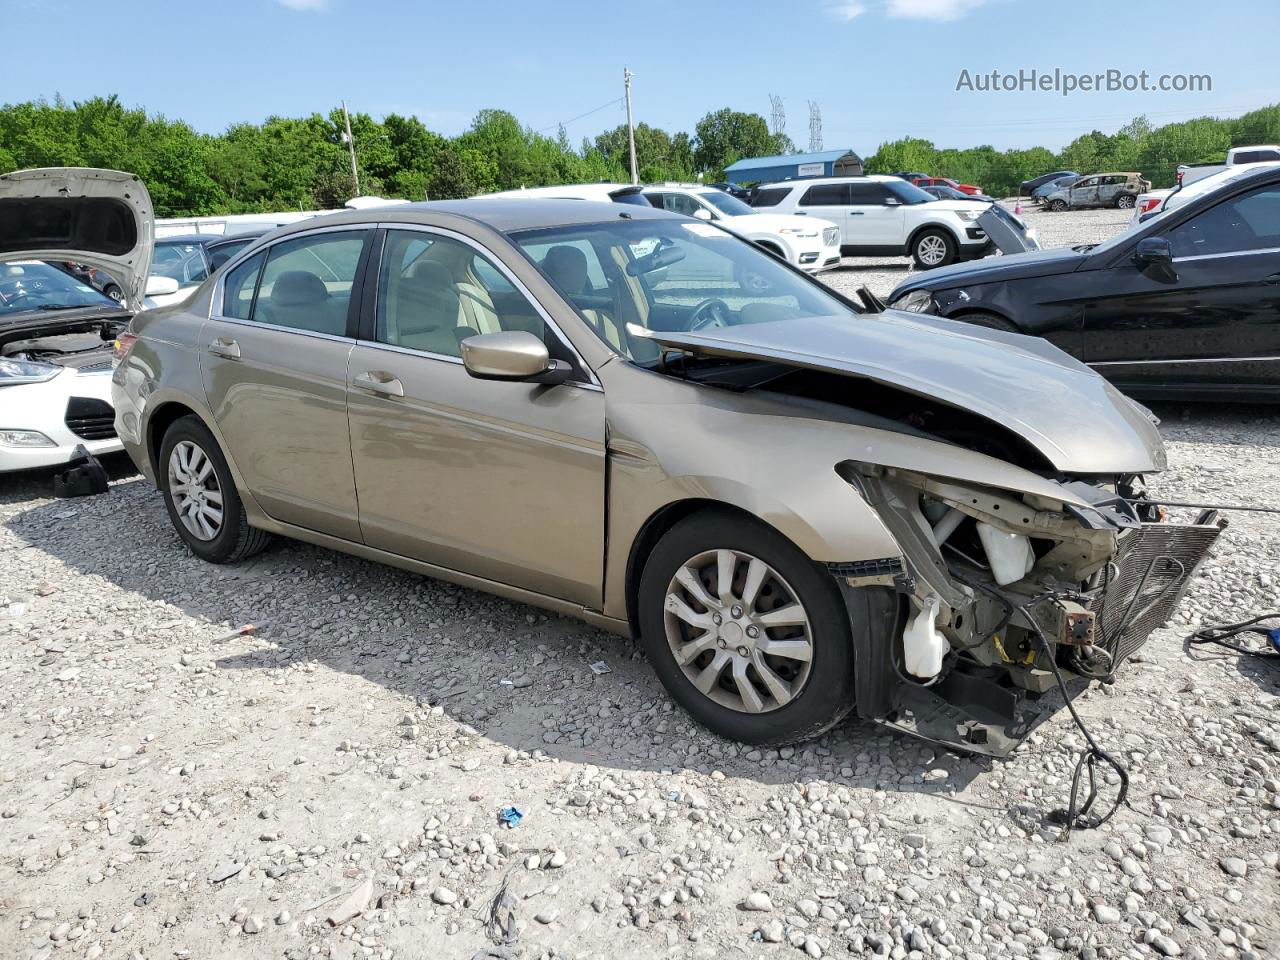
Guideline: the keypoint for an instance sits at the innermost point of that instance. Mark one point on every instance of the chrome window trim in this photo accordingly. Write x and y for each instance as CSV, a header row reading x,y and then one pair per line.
x,y
215,300
503,269
275,327
1229,253
1131,363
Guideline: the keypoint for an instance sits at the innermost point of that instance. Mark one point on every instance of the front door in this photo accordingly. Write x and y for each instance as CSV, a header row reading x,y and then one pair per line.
x,y
1213,328
274,365
879,214
1085,192
504,481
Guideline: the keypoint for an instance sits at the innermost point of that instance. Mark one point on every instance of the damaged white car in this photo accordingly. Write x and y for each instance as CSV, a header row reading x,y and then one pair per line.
x,y
57,332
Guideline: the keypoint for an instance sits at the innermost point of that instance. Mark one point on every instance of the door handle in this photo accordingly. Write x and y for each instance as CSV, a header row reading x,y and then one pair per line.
x,y
379,382
225,347
856,213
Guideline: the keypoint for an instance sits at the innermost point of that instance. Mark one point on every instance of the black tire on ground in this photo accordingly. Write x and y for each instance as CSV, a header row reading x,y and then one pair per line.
x,y
1125,201
235,539
989,320
925,247
827,695
1057,206
752,280
114,292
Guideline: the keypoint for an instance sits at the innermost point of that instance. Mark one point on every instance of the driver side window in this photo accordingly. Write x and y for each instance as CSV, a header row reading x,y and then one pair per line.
x,y
1249,222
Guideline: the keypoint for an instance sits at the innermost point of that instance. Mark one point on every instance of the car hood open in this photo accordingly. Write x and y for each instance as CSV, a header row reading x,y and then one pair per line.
x,y
102,218
1077,421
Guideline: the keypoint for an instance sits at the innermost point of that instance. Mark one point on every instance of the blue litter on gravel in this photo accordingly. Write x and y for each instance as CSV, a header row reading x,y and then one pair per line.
x,y
511,816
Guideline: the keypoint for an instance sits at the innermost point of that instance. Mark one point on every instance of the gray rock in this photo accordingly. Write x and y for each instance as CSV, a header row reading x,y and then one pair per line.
x,y
757,901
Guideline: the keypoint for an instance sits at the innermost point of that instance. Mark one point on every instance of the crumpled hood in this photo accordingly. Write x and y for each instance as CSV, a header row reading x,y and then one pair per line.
x,y
1071,415
102,218
1018,266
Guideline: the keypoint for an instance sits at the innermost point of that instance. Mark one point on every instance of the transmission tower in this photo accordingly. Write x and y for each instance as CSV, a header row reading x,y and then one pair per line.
x,y
815,127
778,116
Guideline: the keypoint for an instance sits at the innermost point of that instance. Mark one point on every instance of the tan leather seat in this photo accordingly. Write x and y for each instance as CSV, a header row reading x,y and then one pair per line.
x,y
427,312
301,300
567,268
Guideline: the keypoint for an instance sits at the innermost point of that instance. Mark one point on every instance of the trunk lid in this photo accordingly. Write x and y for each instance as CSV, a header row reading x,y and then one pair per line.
x,y
102,218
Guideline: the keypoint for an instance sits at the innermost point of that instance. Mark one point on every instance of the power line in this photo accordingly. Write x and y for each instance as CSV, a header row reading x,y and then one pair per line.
x,y
565,123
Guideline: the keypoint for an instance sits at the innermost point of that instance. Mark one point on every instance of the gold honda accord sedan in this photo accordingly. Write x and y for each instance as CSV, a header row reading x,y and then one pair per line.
x,y
801,507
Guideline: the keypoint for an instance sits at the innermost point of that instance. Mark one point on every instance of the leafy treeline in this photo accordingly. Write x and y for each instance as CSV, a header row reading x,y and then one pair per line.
x,y
1155,152
302,163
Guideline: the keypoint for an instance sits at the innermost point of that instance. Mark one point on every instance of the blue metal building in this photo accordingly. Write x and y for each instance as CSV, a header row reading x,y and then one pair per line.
x,y
795,166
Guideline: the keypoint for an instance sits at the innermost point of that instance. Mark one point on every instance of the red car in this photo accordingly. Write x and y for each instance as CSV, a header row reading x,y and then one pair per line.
x,y
944,182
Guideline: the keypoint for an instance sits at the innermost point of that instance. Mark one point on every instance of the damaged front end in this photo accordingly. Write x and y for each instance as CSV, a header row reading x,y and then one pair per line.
x,y
993,583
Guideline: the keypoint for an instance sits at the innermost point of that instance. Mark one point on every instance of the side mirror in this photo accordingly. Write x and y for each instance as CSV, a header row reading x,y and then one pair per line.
x,y
160,286
512,355
1155,255
892,202
702,213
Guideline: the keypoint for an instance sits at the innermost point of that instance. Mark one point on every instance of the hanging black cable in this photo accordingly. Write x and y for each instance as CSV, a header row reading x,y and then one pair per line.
x,y
1222,634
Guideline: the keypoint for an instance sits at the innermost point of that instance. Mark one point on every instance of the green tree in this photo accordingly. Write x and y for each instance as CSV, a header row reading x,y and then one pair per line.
x,y
726,136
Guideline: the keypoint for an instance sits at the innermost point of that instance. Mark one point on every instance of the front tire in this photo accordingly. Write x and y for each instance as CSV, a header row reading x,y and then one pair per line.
x,y
747,634
990,321
1057,206
201,495
114,292
933,248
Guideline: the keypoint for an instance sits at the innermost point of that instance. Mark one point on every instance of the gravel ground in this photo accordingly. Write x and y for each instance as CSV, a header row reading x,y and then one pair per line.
x,y
330,786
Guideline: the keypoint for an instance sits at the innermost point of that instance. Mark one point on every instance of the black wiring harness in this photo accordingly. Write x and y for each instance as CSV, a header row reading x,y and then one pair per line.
x,y
1222,635
1076,815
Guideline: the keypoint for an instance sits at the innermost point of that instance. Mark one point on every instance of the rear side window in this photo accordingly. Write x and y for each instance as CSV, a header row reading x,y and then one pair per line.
x,y
826,194
1256,156
770,197
306,283
867,193
237,291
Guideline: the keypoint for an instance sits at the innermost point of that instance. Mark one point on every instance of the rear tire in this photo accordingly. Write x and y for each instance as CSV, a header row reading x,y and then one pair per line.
x,y
933,248
1125,201
784,698
201,495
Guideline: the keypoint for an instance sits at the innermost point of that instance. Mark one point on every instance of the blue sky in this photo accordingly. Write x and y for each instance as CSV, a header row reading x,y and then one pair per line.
x,y
879,69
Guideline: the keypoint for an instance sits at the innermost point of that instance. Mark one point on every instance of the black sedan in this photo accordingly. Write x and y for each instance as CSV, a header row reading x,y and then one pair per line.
x,y
1184,305
1028,186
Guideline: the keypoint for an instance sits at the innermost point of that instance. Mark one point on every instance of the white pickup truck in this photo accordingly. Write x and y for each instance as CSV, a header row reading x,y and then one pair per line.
x,y
1191,172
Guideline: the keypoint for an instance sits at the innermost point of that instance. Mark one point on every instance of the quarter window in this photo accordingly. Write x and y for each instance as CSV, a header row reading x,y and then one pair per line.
x,y
307,282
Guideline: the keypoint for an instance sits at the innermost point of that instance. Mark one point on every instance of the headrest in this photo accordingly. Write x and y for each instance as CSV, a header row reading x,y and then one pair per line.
x,y
567,268
428,300
297,288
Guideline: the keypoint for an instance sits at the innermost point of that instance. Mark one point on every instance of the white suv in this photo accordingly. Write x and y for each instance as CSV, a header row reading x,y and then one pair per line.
x,y
885,217
805,242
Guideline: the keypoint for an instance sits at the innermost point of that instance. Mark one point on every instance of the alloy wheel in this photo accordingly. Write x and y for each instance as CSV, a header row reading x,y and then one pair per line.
x,y
194,488
738,631
932,250
1125,203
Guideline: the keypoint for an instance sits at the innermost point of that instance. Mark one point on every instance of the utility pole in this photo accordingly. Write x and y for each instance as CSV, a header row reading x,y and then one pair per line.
x,y
815,127
631,130
351,145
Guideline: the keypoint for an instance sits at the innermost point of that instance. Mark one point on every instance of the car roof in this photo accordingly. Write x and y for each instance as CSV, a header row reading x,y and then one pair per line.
x,y
503,214
805,181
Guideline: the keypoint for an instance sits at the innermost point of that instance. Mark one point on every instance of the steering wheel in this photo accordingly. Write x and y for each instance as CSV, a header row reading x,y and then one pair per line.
x,y
710,314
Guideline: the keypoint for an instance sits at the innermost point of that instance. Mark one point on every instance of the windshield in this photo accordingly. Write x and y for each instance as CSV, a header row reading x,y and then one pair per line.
x,y
628,276
907,192
33,285
729,205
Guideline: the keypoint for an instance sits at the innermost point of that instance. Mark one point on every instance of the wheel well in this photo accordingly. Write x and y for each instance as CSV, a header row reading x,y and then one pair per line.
x,y
938,227
159,423
653,530
771,247
961,314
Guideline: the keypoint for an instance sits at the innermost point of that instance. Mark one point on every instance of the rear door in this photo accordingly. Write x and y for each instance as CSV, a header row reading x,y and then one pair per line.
x,y
274,363
1217,325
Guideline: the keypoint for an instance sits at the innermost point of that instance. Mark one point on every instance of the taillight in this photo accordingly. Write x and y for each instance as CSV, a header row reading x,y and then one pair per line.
x,y
123,344
1150,204
1181,174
